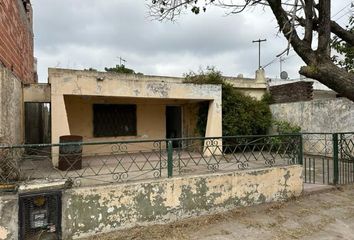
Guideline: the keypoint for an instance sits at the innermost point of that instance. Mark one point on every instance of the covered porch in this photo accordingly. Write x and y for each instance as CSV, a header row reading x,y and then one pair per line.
x,y
118,107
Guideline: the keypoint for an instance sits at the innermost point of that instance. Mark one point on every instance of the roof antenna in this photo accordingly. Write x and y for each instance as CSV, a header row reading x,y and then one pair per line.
x,y
122,60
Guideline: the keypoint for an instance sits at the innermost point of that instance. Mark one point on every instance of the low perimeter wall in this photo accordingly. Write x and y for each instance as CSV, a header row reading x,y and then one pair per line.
x,y
8,216
93,210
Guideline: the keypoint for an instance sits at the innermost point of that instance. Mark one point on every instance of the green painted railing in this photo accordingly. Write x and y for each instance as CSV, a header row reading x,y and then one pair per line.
x,y
328,158
120,161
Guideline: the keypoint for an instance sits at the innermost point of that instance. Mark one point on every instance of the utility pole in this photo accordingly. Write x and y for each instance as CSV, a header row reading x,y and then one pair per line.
x,y
259,50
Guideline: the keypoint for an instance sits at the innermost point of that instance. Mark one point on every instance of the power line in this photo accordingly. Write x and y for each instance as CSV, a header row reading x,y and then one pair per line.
x,y
341,10
270,63
278,59
342,15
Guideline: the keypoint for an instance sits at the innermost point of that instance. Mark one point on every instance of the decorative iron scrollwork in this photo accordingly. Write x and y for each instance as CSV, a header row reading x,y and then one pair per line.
x,y
120,177
213,167
211,142
269,161
157,174
119,148
242,165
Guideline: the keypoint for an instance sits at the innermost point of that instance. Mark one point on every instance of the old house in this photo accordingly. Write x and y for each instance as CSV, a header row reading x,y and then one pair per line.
x,y
101,106
112,107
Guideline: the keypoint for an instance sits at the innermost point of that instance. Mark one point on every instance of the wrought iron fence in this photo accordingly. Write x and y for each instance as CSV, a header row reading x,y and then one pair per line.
x,y
318,158
345,158
106,162
229,153
328,158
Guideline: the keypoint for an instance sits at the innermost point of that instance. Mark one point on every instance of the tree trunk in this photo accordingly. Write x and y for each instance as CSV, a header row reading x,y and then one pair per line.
x,y
332,76
319,65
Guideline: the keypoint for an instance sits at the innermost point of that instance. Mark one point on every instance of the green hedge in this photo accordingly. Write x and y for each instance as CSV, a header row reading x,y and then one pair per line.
x,y
241,114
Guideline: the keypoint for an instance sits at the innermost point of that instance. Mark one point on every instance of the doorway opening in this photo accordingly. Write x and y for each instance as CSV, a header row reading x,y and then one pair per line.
x,y
38,128
37,123
174,123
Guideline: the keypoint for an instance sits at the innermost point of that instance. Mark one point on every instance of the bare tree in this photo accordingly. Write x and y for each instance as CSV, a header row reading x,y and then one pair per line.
x,y
294,17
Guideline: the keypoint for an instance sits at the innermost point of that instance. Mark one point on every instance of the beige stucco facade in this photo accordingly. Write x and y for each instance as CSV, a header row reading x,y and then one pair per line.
x,y
73,94
117,88
36,92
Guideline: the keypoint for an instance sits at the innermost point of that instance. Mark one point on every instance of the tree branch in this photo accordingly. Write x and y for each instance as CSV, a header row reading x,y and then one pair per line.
x,y
336,29
302,49
334,77
324,28
309,22
342,33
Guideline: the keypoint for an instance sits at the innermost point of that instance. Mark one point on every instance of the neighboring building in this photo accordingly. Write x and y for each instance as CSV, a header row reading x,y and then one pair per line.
x,y
254,87
16,66
311,106
295,90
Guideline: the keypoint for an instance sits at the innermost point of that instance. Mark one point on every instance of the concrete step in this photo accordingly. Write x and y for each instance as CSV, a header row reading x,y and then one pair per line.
x,y
317,188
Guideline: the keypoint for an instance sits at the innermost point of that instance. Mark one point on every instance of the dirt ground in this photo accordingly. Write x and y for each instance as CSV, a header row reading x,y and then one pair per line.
x,y
327,215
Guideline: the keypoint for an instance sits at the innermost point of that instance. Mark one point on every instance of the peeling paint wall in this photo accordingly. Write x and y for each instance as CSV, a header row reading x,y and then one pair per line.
x,y
91,211
8,217
325,115
11,108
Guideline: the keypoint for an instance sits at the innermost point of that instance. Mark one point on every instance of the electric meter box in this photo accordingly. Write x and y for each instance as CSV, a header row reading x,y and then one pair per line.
x,y
40,215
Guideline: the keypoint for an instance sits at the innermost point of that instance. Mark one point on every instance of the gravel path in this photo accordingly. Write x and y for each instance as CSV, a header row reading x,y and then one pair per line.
x,y
328,215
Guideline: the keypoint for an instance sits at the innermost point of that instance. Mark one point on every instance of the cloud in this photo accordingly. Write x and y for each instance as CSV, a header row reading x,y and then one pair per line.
x,y
81,34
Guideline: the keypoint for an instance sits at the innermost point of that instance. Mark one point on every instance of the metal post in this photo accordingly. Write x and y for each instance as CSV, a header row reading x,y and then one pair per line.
x,y
259,50
335,158
169,159
301,150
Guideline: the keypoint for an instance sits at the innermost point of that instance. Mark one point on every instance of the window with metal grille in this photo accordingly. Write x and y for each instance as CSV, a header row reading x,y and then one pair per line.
x,y
111,120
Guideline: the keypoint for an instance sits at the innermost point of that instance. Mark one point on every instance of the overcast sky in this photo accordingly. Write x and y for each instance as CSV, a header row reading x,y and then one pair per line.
x,y
79,34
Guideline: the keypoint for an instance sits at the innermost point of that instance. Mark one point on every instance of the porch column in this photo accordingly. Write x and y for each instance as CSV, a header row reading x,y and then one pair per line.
x,y
60,125
214,128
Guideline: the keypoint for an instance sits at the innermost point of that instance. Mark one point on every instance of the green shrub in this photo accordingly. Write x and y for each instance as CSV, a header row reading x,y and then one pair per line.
x,y
285,144
284,127
241,114
267,98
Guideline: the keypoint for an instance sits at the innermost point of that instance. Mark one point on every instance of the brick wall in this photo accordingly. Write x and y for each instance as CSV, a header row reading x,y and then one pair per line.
x,y
292,92
16,38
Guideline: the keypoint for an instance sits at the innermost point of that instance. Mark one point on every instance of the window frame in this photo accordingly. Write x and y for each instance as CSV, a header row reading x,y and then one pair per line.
x,y
99,132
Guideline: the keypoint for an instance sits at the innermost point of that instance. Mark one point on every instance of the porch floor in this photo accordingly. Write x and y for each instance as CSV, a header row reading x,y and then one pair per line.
x,y
111,168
